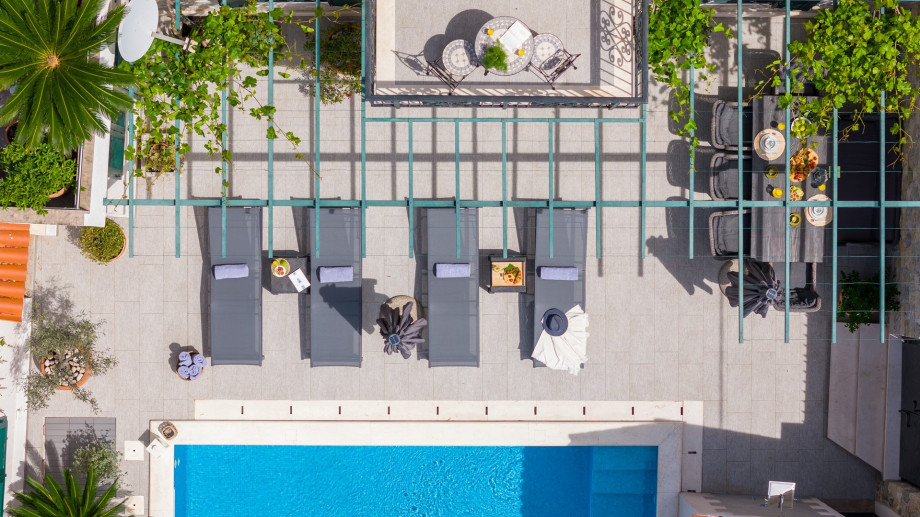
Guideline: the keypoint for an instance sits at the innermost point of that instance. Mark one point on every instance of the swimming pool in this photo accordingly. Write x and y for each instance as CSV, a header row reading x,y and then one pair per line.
x,y
242,481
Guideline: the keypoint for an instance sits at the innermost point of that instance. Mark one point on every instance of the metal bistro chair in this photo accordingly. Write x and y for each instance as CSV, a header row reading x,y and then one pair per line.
x,y
550,58
462,58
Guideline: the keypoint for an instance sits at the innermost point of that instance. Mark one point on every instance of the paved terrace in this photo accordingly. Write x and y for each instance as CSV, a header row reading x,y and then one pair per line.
x,y
660,329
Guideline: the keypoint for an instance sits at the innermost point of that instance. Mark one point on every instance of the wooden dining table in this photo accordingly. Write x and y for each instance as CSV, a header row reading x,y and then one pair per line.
x,y
768,224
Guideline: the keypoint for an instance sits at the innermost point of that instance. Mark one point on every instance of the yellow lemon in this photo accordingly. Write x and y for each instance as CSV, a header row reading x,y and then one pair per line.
x,y
781,126
822,187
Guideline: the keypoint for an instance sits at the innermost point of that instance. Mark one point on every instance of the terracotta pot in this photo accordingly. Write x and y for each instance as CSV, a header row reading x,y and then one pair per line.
x,y
59,193
124,246
80,383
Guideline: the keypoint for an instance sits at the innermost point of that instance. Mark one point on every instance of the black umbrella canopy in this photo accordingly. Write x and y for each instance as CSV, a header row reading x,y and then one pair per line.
x,y
400,333
761,288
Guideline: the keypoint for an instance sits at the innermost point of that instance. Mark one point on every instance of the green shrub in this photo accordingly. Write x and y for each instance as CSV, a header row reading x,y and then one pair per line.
x,y
495,58
102,244
100,455
859,298
31,176
340,60
159,158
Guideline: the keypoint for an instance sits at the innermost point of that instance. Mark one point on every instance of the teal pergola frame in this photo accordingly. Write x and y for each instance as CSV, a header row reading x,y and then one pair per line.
x,y
598,204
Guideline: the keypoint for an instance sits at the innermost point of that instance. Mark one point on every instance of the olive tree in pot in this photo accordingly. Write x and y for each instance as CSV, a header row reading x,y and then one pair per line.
x,y
103,244
99,455
859,299
64,345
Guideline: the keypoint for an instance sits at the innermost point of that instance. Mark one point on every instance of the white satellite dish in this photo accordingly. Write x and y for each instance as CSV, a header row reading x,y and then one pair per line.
x,y
138,29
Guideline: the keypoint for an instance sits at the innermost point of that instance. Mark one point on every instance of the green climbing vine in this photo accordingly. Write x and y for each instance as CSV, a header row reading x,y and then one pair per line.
x,y
851,55
679,32
228,52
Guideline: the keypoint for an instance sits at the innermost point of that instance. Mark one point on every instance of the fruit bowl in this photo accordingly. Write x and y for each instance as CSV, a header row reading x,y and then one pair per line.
x,y
803,162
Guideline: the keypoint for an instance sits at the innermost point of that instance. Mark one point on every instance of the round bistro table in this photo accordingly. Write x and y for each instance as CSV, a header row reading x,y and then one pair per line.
x,y
516,63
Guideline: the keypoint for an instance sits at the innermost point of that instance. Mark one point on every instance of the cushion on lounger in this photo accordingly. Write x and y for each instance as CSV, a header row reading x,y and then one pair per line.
x,y
222,271
328,275
559,273
452,270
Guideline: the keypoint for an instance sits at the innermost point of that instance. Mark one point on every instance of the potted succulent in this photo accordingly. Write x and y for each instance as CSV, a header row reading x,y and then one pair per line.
x,y
495,58
31,177
859,299
105,244
64,345
43,498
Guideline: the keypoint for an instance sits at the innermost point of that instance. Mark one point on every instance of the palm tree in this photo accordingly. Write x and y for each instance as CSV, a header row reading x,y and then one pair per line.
x,y
61,93
50,500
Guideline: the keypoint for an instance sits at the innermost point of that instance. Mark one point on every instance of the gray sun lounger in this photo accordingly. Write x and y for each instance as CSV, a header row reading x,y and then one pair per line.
x,y
453,294
335,291
235,303
570,238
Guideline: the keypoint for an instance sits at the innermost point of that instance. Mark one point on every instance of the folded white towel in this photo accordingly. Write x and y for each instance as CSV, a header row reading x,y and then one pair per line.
x,y
223,271
452,270
328,275
559,273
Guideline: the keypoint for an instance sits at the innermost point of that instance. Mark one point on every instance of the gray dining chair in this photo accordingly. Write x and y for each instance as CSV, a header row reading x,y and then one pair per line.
x,y
723,233
725,126
723,176
552,66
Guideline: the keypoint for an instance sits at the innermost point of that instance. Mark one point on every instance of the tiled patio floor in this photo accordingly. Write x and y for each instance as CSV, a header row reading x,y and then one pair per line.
x,y
660,329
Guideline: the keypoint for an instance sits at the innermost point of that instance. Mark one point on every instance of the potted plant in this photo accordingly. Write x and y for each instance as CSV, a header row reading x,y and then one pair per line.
x,y
45,498
105,244
859,299
60,92
31,177
100,456
495,58
64,344
340,63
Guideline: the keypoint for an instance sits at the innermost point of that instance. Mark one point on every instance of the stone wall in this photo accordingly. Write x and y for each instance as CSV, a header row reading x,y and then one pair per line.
x,y
901,497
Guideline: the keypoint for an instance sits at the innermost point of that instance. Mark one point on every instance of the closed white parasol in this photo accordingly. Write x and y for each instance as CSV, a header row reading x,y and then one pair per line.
x,y
567,351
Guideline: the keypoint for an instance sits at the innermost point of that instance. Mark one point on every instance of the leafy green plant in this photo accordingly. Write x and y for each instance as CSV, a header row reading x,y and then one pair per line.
x,y
495,58
65,343
340,63
679,32
159,158
859,298
102,244
230,54
61,94
851,55
30,177
100,456
49,499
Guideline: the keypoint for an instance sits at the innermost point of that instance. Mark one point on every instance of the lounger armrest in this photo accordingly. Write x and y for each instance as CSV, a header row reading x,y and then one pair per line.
x,y
331,274
452,270
223,271
569,274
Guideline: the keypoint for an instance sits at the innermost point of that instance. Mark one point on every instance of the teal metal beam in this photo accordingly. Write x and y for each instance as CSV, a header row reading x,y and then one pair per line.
x,y
741,180
130,168
412,196
457,182
177,142
835,175
692,116
511,119
881,240
271,142
316,141
597,189
504,195
552,243
363,133
642,170
786,230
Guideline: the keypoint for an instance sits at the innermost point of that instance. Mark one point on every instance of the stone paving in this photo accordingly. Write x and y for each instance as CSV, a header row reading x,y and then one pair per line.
x,y
660,328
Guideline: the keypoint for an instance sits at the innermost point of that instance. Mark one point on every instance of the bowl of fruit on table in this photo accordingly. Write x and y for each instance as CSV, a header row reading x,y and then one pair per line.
x,y
802,162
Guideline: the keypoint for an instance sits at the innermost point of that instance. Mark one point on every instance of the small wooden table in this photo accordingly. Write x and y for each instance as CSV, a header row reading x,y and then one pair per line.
x,y
497,283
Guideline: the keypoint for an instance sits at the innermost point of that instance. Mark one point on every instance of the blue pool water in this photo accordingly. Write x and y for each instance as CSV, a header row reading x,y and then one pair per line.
x,y
276,481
